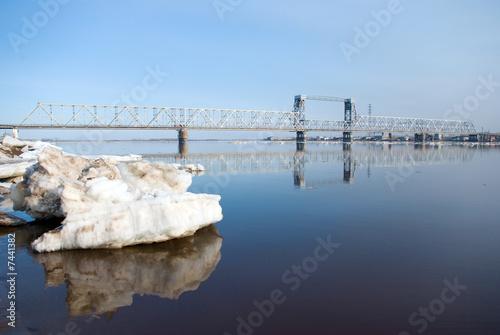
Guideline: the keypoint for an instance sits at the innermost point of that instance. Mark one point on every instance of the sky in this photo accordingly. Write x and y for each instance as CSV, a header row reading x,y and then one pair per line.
x,y
425,59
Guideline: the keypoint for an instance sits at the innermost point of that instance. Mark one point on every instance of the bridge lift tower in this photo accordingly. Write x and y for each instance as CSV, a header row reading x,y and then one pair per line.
x,y
300,121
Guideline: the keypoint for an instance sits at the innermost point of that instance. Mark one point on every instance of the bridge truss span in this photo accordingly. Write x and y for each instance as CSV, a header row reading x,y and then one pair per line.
x,y
132,117
407,125
363,123
135,117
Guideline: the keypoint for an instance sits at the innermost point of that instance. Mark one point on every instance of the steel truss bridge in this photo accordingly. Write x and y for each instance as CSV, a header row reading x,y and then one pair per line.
x,y
66,116
351,160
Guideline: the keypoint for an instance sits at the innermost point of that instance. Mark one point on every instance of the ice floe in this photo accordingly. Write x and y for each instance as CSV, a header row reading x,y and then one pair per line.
x,y
39,194
9,141
111,202
10,168
156,176
17,156
7,219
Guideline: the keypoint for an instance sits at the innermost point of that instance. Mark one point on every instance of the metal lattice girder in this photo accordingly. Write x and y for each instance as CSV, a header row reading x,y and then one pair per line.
x,y
363,123
349,108
299,111
324,98
129,117
102,116
409,125
265,162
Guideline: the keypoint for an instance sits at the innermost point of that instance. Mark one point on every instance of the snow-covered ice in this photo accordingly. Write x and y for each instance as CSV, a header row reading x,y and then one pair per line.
x,y
5,188
156,176
14,168
193,167
110,202
7,219
12,142
103,214
113,158
39,194
17,156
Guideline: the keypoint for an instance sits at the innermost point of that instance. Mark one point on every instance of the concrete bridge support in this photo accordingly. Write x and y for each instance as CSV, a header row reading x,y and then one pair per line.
x,y
301,136
347,137
473,138
183,136
15,133
419,137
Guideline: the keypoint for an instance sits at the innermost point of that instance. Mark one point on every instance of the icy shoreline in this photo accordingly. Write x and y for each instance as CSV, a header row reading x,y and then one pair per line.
x,y
107,201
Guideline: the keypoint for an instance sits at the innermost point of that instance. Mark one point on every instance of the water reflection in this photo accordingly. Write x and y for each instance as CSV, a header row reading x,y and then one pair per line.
x,y
101,281
183,149
349,167
352,157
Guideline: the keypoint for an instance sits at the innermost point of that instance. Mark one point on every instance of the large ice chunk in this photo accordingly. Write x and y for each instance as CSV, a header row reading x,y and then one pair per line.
x,y
39,192
7,219
10,168
109,203
10,141
102,213
156,176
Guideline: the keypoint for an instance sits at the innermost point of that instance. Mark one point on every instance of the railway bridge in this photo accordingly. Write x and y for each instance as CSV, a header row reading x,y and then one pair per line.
x,y
74,116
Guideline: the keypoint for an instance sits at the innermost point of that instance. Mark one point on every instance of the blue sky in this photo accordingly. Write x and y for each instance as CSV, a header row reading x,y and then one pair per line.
x,y
420,61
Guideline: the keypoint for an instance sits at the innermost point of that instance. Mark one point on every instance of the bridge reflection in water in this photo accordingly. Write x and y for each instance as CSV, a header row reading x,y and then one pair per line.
x,y
352,159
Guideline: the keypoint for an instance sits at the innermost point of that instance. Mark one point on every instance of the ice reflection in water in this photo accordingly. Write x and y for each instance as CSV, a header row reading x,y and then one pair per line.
x,y
101,281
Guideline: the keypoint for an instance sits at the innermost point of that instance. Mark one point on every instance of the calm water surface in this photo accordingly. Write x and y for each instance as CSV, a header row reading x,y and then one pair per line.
x,y
371,239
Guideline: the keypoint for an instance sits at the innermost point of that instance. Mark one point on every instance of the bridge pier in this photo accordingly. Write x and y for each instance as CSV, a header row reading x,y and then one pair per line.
x,y
15,133
182,136
473,138
419,137
301,136
347,137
